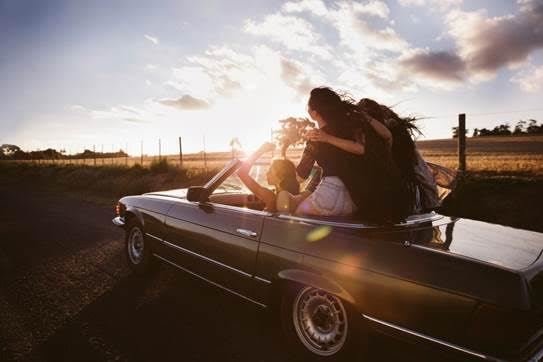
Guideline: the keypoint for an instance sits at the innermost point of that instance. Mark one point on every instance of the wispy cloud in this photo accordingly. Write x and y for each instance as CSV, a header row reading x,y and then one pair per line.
x,y
186,103
488,43
293,32
152,39
530,79
440,65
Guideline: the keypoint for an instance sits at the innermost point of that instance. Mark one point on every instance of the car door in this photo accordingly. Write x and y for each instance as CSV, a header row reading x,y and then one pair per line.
x,y
217,242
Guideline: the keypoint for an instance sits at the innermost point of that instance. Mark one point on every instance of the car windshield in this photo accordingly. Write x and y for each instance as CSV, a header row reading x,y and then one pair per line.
x,y
234,184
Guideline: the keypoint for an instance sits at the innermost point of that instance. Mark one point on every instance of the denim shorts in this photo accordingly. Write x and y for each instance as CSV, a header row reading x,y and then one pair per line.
x,y
331,197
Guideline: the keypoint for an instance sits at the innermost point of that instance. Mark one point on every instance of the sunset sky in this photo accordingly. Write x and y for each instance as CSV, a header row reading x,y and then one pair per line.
x,y
74,74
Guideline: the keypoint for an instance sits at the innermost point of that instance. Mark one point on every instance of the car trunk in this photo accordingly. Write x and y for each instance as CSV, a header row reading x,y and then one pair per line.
x,y
507,247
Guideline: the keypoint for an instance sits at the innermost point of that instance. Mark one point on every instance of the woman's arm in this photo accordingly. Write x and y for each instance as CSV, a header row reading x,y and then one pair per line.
x,y
261,192
380,129
344,144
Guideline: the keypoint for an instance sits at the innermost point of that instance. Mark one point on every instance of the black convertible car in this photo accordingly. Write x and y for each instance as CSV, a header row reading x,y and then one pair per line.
x,y
470,288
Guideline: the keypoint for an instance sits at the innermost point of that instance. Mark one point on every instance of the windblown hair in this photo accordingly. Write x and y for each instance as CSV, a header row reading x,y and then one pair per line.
x,y
286,173
340,112
403,133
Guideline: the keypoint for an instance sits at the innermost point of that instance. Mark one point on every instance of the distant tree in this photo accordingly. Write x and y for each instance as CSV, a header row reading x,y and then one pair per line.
x,y
519,128
484,132
475,132
8,150
235,145
502,130
533,128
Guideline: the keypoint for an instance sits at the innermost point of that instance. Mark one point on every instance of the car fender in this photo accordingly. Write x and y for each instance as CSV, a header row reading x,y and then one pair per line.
x,y
132,211
317,281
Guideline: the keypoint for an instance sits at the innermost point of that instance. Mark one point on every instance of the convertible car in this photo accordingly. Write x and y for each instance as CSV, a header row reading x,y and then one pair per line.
x,y
468,288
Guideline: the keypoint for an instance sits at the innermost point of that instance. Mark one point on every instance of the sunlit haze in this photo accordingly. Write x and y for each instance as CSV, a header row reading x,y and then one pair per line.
x,y
77,74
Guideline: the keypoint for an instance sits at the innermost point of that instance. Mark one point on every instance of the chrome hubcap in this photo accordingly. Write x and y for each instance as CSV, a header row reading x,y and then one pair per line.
x,y
320,321
135,245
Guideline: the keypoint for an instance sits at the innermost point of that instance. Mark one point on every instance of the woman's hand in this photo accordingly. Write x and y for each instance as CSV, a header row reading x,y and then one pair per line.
x,y
266,147
317,135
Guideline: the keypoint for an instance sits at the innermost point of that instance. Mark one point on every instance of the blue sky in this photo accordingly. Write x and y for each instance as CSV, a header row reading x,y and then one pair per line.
x,y
76,74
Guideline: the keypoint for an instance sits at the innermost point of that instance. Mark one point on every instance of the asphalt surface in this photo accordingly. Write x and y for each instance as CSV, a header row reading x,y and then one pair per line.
x,y
66,294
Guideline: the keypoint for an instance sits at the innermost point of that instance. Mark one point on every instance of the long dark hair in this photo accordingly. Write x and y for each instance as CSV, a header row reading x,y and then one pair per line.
x,y
339,111
286,173
403,131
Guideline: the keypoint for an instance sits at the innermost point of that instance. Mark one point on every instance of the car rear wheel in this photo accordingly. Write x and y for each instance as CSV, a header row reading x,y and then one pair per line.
x,y
316,324
138,252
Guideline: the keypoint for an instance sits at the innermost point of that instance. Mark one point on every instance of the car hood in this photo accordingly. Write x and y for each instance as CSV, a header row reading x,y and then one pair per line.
x,y
491,243
178,193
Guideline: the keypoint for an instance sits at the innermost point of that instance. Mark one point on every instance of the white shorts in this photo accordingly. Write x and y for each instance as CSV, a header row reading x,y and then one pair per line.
x,y
330,198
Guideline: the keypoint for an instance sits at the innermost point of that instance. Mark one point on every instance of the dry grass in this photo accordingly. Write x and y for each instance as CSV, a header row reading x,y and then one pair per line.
x,y
520,155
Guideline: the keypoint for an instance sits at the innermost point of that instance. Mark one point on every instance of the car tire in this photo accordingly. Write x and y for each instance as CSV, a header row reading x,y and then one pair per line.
x,y
317,325
138,252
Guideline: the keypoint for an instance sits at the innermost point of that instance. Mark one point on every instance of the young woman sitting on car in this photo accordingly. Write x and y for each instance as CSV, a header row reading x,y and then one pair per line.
x,y
281,174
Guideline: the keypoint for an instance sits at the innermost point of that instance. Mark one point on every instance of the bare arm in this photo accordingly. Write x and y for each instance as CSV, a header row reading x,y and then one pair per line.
x,y
347,145
381,130
262,193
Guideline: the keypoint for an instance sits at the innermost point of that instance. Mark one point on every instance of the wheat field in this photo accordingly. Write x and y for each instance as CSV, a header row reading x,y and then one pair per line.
x,y
509,155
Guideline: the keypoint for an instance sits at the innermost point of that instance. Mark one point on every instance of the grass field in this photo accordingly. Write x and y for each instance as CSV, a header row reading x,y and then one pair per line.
x,y
506,156
504,183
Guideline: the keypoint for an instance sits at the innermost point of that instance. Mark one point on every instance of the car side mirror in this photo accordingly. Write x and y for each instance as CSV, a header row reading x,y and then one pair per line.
x,y
197,194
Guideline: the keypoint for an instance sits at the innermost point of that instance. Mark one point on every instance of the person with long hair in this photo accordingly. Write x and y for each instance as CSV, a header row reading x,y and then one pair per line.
x,y
415,172
281,175
353,150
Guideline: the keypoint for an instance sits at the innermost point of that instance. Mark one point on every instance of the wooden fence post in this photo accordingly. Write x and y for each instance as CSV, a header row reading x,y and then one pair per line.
x,y
462,142
205,157
141,153
180,154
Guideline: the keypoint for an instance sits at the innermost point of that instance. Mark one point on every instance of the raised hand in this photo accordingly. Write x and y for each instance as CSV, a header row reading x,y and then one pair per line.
x,y
266,147
317,135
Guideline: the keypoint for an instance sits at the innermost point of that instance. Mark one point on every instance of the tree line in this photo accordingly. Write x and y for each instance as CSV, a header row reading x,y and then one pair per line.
x,y
522,127
14,152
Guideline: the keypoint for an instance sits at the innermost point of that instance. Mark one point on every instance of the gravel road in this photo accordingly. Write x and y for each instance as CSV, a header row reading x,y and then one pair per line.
x,y
67,295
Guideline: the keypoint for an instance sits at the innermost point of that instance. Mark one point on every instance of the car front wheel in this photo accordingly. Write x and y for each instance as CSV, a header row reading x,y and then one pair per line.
x,y
316,324
138,253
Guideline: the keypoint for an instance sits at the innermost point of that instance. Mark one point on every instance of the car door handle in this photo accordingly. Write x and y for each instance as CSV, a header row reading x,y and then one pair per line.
x,y
246,232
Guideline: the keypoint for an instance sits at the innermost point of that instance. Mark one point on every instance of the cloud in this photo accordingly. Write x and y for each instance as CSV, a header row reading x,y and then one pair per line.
x,y
316,7
530,79
488,43
294,76
441,65
293,32
432,4
152,39
186,102
351,20
150,67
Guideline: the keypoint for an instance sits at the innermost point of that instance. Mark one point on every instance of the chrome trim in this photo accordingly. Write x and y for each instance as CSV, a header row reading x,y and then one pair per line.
x,y
154,237
262,280
435,340
537,356
237,208
186,251
246,232
209,281
118,221
353,225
